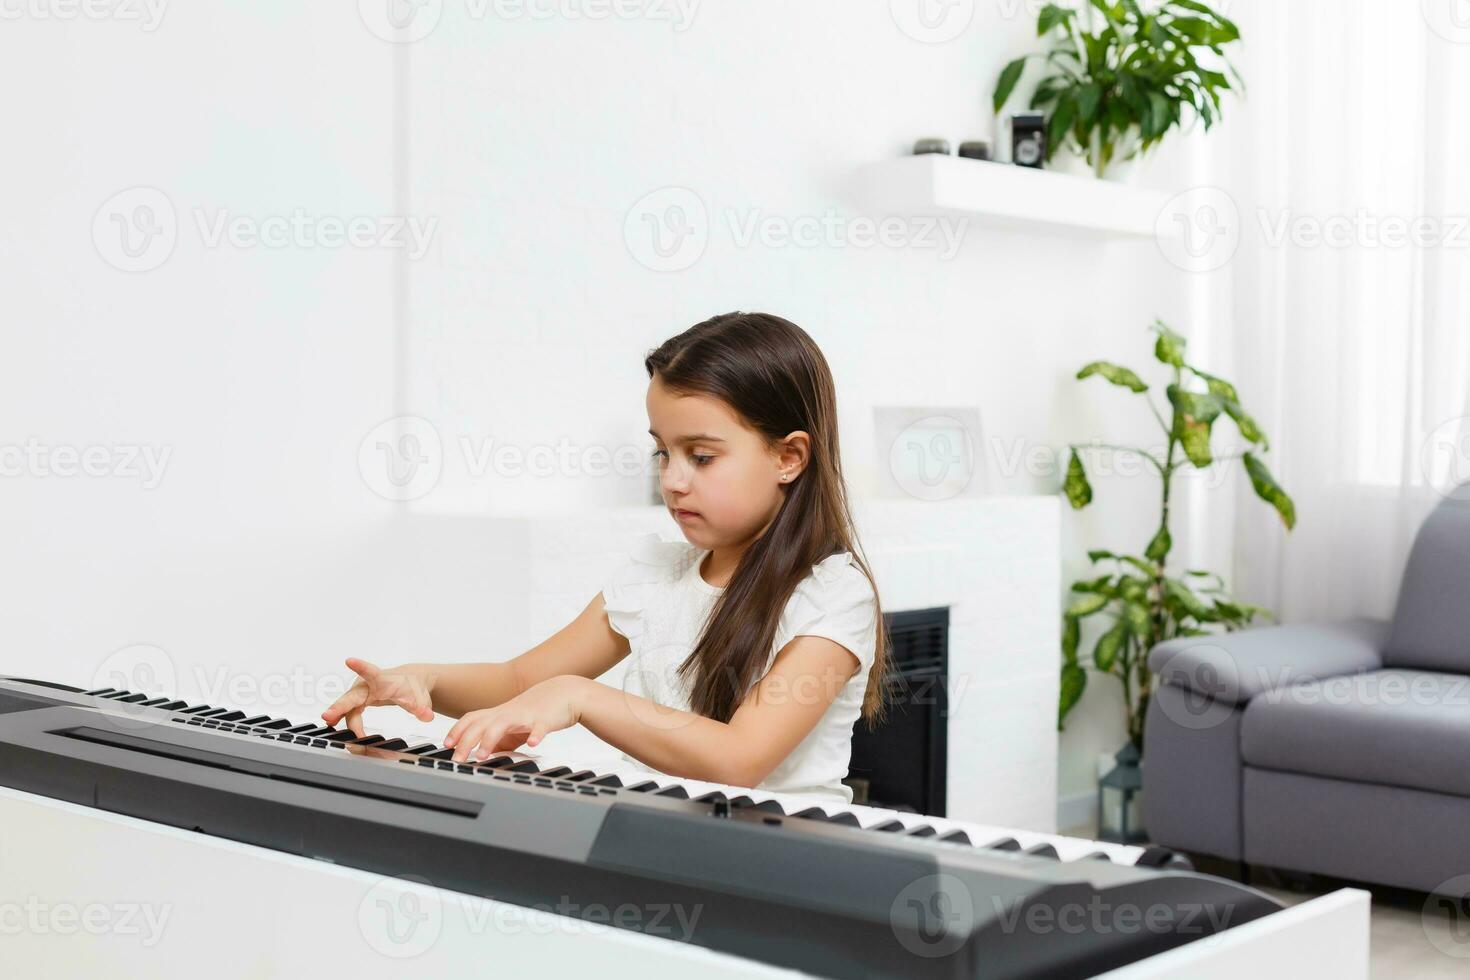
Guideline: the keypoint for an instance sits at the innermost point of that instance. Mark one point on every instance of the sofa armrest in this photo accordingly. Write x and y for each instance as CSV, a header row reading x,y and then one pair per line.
x,y
1236,667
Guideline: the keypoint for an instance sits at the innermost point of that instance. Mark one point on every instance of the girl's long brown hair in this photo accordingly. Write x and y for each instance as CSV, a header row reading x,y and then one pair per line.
x,y
775,378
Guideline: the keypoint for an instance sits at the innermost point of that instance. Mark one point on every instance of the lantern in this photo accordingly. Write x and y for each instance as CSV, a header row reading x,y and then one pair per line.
x,y
1119,815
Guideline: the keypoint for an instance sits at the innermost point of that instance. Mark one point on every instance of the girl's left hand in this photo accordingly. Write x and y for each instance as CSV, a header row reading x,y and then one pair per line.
x,y
545,707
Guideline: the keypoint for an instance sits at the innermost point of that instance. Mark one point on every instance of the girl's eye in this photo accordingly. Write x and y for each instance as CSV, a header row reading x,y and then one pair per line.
x,y
698,459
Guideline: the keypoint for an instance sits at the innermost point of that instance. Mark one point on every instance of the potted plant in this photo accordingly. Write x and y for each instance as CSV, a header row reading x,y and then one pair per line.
x,y
1117,84
1144,604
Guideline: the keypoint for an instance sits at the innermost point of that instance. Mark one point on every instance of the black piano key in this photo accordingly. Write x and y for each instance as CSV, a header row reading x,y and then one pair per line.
x,y
578,777
392,745
100,692
644,786
345,735
526,765
254,719
441,754
302,729
557,772
958,836
1004,844
812,813
608,780
676,791
1043,851
235,715
742,800
714,796
367,740
923,830
152,702
172,705
194,709
132,698
1154,856
889,827
211,712
770,806
275,724
498,761
421,748
446,765
317,731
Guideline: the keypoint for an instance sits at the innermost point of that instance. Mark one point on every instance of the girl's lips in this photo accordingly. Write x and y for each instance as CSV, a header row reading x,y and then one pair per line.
x,y
684,515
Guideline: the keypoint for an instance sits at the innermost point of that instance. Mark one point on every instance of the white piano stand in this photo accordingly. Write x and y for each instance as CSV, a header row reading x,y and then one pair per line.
x,y
89,893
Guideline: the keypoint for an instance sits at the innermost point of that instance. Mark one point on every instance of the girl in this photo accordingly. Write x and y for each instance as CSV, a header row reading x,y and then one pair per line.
x,y
755,642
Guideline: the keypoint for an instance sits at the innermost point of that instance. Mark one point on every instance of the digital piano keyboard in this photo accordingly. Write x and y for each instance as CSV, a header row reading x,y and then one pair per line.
x,y
825,889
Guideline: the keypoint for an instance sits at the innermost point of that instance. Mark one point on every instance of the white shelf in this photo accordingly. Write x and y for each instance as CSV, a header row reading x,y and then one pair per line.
x,y
1005,194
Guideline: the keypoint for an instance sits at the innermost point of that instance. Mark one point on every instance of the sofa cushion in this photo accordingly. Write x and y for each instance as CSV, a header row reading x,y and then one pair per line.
x,y
1431,623
1236,667
1393,727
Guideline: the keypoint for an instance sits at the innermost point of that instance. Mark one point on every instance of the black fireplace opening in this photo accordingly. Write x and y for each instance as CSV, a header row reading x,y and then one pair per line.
x,y
901,764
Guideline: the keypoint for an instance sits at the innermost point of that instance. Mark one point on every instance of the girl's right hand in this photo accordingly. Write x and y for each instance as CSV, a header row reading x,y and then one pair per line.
x,y
408,687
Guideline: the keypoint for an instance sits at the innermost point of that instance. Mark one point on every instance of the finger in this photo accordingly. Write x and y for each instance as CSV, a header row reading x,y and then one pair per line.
x,y
413,703
354,722
368,672
456,730
538,732
354,698
467,740
497,734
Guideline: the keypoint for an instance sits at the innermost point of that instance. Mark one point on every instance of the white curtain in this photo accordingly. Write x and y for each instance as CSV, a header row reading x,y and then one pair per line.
x,y
1350,341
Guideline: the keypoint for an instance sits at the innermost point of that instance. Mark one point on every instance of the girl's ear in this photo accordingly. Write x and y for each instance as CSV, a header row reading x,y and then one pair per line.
x,y
792,455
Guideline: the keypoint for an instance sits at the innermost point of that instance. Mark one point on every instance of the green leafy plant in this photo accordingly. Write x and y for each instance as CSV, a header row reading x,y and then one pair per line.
x,y
1143,603
1118,84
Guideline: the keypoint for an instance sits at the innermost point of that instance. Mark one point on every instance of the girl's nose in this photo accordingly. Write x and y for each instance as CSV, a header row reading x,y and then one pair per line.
x,y
675,478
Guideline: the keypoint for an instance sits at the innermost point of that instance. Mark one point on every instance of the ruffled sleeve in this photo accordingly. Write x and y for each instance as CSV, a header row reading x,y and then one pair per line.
x,y
835,601
651,563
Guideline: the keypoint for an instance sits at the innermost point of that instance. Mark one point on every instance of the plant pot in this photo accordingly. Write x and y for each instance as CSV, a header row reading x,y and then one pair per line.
x,y
1066,160
1121,171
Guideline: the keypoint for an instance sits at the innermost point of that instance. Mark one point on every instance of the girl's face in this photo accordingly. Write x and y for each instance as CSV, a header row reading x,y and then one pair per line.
x,y
721,482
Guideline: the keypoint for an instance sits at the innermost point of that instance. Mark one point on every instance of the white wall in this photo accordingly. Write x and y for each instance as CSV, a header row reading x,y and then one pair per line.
x,y
534,139
529,140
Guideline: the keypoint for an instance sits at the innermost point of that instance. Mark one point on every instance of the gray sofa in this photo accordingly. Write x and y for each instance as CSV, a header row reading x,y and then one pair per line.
x,y
1339,749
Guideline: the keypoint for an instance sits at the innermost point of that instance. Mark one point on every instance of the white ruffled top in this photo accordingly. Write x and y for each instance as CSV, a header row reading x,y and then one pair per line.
x,y
660,602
